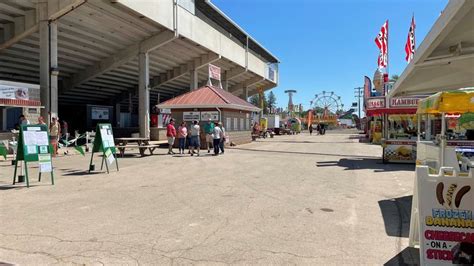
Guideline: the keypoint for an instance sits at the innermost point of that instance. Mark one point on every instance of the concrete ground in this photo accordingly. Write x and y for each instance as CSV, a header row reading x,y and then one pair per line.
x,y
288,200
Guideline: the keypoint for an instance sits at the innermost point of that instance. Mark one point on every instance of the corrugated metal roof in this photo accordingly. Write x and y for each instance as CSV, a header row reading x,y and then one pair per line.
x,y
208,97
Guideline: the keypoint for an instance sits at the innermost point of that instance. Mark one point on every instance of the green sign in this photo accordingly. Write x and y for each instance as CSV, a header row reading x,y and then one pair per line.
x,y
104,143
34,146
3,151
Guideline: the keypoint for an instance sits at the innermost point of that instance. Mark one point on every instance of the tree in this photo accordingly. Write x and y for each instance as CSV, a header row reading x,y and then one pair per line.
x,y
254,100
394,78
271,101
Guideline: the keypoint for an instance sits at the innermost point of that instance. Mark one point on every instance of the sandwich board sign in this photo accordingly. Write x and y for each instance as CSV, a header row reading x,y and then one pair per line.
x,y
442,221
104,143
34,146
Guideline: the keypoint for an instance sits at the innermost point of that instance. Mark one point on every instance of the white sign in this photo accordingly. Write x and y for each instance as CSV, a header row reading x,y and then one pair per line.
x,y
214,116
373,103
100,113
214,72
404,102
45,165
191,116
446,221
12,92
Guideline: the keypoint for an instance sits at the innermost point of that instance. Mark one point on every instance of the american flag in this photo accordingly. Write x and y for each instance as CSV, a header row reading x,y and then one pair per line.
x,y
410,45
382,43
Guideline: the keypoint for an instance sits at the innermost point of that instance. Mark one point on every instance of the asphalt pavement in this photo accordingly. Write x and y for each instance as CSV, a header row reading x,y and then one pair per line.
x,y
296,199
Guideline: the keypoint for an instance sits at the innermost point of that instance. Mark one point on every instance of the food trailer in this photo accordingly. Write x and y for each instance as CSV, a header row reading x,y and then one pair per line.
x,y
400,130
445,131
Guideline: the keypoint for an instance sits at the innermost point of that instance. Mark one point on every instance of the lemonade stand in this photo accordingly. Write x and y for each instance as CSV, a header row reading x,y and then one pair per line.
x,y
445,126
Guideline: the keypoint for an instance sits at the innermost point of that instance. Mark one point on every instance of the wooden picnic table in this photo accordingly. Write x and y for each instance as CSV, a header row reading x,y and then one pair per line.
x,y
142,145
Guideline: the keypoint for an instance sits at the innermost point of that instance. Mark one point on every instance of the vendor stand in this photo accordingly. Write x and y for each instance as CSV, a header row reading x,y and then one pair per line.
x,y
400,130
446,140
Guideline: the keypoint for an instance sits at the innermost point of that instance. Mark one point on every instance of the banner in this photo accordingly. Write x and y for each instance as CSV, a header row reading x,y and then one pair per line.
x,y
367,89
214,72
404,102
12,92
100,113
191,116
214,116
373,103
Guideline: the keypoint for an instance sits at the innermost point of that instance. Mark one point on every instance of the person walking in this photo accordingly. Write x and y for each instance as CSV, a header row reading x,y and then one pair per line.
x,y
310,129
208,130
222,143
217,138
318,129
54,133
171,134
195,142
182,134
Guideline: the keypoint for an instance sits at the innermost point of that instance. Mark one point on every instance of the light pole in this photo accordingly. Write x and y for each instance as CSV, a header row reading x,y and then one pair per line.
x,y
359,94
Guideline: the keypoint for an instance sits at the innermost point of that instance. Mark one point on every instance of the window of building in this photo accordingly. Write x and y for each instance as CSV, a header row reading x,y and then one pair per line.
x,y
247,124
227,123
236,124
242,125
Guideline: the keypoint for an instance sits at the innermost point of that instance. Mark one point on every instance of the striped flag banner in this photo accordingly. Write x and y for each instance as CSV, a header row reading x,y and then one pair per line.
x,y
410,45
382,43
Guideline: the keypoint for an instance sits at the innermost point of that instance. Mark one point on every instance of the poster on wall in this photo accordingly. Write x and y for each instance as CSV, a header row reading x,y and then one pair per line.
x,y
214,116
191,116
100,113
399,153
13,92
446,206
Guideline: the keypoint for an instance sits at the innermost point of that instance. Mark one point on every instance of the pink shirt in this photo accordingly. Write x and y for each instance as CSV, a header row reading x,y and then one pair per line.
x,y
182,132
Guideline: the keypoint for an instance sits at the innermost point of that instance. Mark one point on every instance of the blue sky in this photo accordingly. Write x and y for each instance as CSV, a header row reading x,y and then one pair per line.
x,y
329,44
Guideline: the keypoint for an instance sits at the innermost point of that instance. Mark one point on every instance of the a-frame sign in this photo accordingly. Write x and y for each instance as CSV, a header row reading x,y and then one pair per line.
x,y
34,146
104,143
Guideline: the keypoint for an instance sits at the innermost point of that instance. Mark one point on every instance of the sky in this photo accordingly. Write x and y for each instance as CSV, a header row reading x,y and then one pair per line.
x,y
328,45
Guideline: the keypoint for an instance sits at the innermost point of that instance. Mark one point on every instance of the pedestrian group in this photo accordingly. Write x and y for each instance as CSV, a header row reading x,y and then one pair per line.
x,y
214,135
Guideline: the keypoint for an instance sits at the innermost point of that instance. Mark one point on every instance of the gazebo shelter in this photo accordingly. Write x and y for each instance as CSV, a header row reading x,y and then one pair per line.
x,y
216,104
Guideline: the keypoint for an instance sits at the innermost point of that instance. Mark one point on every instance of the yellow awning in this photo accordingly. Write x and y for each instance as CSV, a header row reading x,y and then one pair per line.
x,y
459,101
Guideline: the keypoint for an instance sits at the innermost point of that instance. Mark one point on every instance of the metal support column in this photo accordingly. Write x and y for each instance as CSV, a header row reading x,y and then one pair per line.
x,y
245,93
144,95
193,83
48,32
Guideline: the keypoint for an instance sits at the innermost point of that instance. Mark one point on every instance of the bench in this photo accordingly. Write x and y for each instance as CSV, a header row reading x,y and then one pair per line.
x,y
149,145
122,148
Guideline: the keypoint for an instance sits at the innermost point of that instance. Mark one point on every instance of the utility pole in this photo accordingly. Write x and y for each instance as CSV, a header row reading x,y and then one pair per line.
x,y
359,94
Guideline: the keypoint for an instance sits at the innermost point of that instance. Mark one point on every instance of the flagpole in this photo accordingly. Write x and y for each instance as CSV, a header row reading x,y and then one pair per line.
x,y
388,25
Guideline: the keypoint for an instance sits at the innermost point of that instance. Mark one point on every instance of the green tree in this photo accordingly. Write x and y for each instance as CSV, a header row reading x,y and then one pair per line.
x,y
271,101
394,78
254,100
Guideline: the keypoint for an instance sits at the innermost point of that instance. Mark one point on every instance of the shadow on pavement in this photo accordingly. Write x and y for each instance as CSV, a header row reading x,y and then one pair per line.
x,y
86,172
366,162
408,256
304,142
396,215
303,153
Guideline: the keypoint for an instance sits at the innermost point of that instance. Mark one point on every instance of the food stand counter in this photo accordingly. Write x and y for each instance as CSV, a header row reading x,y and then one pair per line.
x,y
447,140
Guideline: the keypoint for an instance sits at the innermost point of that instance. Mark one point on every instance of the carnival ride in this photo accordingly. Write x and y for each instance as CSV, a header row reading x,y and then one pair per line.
x,y
327,107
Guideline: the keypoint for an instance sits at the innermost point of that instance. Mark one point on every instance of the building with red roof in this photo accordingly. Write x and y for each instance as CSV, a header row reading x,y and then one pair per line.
x,y
215,104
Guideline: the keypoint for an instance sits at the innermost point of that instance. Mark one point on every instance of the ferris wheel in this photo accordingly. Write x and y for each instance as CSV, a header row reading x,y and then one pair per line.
x,y
327,103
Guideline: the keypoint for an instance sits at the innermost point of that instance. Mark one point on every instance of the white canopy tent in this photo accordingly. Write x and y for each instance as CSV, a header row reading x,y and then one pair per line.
x,y
445,58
